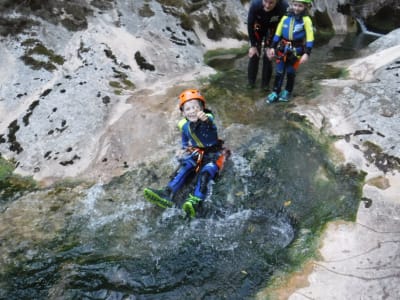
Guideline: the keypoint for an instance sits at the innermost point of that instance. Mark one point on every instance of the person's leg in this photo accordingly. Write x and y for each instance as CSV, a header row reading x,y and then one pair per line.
x,y
266,72
164,197
187,167
207,173
279,77
252,69
286,93
290,82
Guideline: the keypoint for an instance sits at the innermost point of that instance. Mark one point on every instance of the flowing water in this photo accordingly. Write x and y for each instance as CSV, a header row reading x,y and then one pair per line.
x,y
104,241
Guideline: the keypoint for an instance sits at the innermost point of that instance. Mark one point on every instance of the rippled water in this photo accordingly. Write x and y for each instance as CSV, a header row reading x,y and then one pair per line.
x,y
277,191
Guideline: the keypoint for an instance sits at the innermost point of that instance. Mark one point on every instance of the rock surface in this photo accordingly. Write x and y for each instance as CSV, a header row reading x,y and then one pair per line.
x,y
84,116
85,119
80,76
360,260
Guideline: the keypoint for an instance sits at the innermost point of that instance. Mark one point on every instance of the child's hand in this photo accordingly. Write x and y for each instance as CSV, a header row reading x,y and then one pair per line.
x,y
202,116
304,58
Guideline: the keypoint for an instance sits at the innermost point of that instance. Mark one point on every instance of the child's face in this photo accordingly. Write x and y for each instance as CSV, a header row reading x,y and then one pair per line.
x,y
298,7
191,109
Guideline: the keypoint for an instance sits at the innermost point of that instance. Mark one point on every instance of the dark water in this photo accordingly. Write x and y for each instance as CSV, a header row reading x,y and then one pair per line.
x,y
277,191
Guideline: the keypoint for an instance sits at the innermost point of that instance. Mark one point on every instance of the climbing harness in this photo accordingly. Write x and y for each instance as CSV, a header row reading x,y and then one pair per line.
x,y
197,155
257,29
286,52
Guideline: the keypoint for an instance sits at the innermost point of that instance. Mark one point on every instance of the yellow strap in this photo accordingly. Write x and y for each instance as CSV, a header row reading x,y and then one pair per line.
x,y
196,139
291,29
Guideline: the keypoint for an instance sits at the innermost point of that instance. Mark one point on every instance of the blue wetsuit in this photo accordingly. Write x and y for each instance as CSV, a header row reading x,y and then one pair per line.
x,y
294,36
204,136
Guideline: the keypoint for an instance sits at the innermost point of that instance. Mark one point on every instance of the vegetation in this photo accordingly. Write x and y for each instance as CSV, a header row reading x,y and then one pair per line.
x,y
37,56
12,185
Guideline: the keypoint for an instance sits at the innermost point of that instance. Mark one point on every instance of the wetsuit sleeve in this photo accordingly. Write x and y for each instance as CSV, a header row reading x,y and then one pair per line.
x,y
308,27
210,117
250,25
282,10
185,140
278,33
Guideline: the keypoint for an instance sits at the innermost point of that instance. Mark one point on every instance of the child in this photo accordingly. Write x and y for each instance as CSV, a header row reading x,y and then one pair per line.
x,y
203,154
294,39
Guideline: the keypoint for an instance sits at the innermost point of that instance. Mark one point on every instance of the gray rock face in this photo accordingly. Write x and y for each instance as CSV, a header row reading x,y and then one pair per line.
x,y
83,83
57,104
363,112
87,101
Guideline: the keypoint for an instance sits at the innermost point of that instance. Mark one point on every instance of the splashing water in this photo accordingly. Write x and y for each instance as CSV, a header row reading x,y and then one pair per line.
x,y
106,242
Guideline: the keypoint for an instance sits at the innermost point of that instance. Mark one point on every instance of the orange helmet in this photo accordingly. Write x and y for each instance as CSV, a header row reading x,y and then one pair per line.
x,y
191,94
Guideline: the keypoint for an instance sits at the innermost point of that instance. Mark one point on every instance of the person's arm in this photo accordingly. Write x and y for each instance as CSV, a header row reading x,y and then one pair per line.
x,y
308,27
276,38
251,17
185,139
279,12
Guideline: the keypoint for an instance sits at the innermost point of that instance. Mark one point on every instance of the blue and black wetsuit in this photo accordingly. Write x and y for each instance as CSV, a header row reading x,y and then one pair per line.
x,y
294,36
202,136
261,26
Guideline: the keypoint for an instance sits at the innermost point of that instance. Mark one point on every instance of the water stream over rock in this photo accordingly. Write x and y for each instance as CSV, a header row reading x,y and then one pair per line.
x,y
103,241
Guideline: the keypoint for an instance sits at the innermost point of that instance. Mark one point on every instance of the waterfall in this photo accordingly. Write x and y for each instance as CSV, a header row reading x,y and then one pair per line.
x,y
364,28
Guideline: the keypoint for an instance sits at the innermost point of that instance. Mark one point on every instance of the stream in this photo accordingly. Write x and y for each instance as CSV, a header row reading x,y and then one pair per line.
x,y
264,215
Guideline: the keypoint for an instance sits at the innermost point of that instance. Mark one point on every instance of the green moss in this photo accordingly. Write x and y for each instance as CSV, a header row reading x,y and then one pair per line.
x,y
146,11
39,49
12,185
187,22
115,84
173,3
30,42
128,84
67,184
372,147
303,249
122,83
6,169
42,50
383,161
230,54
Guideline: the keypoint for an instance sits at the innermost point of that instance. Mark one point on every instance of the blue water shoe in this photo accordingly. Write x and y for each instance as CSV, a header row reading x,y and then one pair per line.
x,y
284,96
273,97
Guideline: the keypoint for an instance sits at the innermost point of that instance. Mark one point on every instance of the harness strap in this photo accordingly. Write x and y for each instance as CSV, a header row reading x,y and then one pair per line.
x,y
197,140
197,154
298,43
257,28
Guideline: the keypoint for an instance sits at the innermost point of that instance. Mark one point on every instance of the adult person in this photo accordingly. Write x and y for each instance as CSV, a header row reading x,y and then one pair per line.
x,y
262,20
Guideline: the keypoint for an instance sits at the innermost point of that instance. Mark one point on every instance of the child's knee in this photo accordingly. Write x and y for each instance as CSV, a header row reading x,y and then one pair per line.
x,y
211,168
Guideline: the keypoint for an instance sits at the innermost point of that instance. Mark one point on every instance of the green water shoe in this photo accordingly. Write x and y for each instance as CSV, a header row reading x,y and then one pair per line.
x,y
158,197
189,206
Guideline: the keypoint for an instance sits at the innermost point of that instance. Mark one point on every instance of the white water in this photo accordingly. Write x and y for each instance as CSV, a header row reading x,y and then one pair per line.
x,y
365,30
